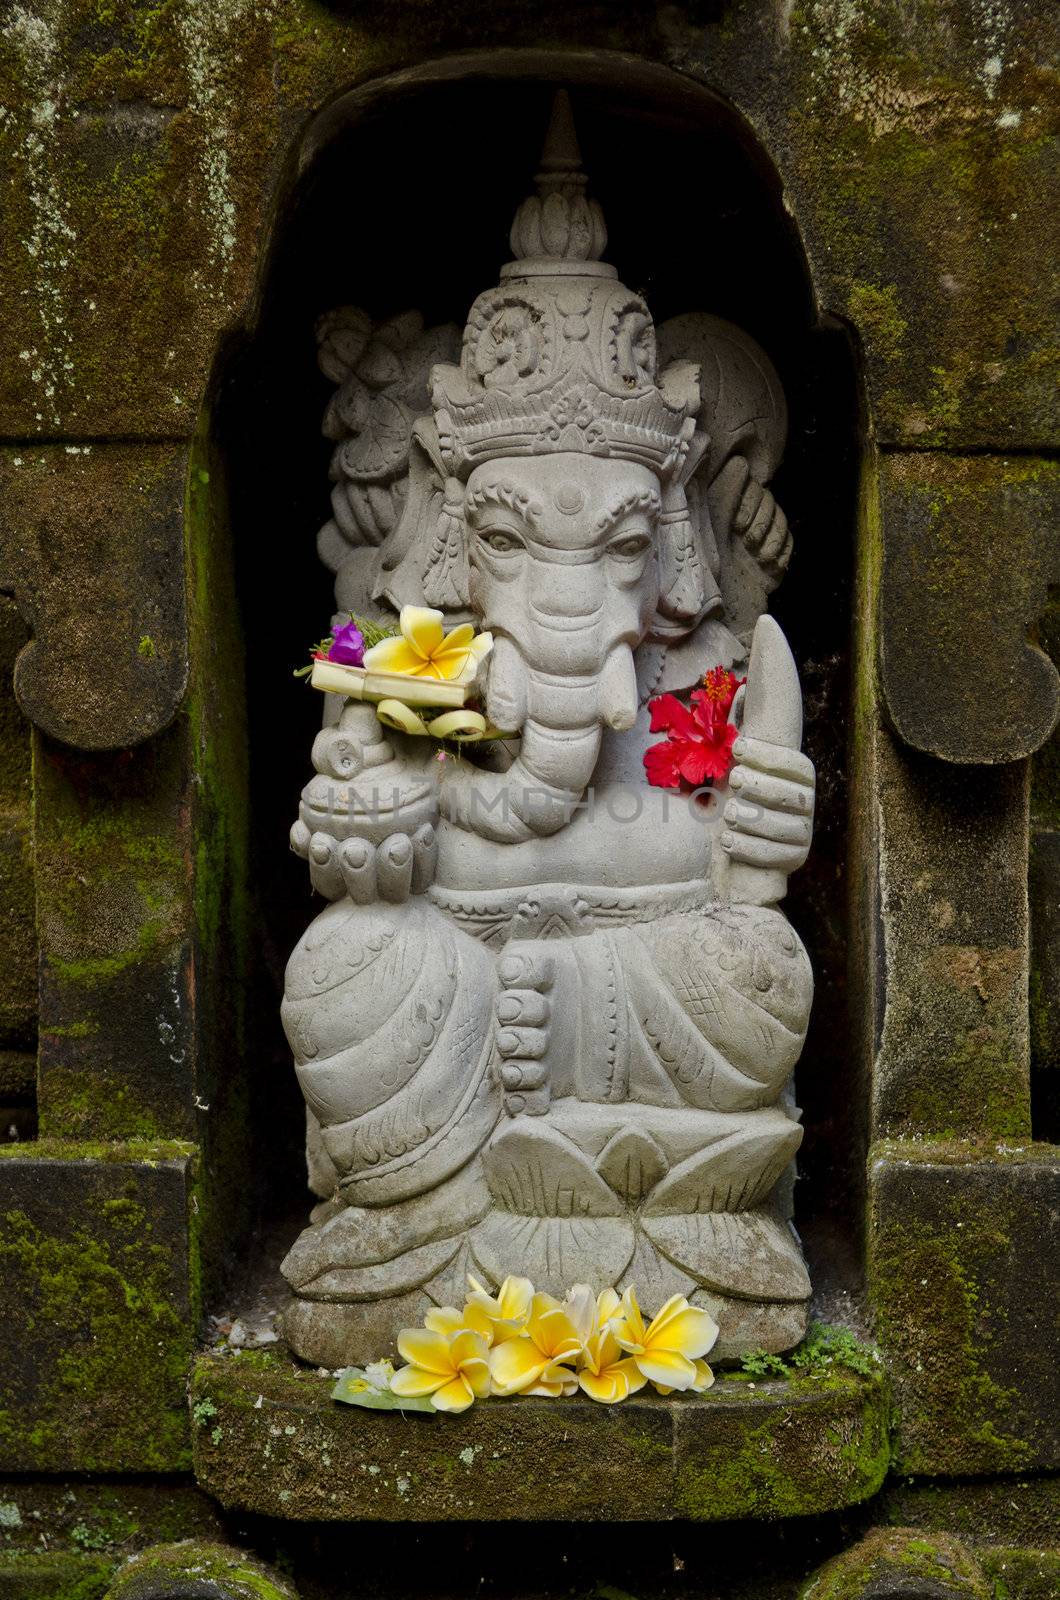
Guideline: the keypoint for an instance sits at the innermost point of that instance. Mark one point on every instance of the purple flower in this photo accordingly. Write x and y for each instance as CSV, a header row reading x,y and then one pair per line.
x,y
347,645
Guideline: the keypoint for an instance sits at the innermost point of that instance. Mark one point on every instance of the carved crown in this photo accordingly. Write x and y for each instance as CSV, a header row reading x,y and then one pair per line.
x,y
561,356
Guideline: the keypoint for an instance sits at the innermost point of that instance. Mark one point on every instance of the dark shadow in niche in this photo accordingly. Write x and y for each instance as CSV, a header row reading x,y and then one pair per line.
x,y
410,206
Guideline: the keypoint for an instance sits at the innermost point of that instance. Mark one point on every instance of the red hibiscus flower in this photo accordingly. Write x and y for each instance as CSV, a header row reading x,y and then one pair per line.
x,y
699,741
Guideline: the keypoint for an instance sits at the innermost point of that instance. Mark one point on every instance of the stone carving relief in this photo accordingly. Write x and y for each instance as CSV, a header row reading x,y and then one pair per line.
x,y
548,1020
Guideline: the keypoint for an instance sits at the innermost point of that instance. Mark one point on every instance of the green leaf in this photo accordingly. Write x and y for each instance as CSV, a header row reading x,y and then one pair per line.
x,y
354,1389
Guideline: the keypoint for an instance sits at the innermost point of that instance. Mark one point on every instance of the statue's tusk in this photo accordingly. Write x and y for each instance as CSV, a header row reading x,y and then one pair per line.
x,y
618,690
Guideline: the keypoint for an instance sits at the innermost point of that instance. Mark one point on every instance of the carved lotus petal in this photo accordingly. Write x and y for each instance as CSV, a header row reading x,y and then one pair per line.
x,y
748,1254
536,1172
632,1163
731,1175
363,1236
553,1252
340,1284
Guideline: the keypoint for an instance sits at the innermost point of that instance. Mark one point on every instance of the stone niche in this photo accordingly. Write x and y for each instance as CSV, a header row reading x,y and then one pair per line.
x,y
695,225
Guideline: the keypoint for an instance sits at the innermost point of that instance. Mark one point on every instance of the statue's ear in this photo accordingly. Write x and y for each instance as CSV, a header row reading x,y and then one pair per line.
x,y
688,554
425,558
681,588
445,574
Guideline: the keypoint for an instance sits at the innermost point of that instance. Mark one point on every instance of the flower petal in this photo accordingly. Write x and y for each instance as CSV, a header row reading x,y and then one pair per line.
x,y
467,1346
455,1396
666,1366
444,1319
607,1306
606,1386
515,1295
457,642
661,765
514,1365
704,1377
669,715
394,655
424,628
477,1374
689,1331
421,1347
411,1381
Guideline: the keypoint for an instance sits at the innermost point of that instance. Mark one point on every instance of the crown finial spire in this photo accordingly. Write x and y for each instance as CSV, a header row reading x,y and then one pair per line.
x,y
559,223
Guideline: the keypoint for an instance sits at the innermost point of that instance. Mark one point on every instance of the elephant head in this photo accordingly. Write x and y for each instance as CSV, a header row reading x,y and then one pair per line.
x,y
564,571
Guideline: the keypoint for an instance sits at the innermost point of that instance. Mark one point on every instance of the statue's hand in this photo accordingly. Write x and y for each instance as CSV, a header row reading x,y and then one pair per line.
x,y
768,817
401,865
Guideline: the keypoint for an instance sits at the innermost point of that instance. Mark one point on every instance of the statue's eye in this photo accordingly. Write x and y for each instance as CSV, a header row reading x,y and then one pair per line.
x,y
635,545
500,541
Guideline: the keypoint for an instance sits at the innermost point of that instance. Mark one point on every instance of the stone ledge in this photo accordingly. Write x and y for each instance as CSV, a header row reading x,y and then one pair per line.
x,y
269,1439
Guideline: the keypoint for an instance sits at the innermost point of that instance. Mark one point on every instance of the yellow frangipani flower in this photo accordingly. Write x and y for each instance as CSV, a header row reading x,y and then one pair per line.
x,y
425,650
507,1310
539,1360
670,1348
607,1374
448,1320
590,1313
451,1368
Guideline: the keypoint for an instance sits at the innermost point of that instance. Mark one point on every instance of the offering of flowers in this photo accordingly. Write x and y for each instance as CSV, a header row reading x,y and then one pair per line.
x,y
420,665
520,1342
697,749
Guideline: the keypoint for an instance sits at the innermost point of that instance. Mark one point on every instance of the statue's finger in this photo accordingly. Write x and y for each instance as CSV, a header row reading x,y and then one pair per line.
x,y
527,1044
324,871
775,539
767,824
524,1074
424,858
763,852
393,867
357,861
300,837
522,1005
761,523
780,761
520,969
775,794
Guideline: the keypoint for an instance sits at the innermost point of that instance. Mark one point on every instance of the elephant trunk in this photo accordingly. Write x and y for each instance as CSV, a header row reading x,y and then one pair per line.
x,y
561,730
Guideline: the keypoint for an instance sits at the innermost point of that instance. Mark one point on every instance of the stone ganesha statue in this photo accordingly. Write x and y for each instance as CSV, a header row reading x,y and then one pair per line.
x,y
546,1024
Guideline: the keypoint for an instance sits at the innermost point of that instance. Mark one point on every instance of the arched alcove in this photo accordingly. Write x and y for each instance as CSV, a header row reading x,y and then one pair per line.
x,y
401,196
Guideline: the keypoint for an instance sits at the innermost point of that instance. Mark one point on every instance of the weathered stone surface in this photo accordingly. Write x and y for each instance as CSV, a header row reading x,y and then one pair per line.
x,y
913,147
112,1520
197,1570
18,939
268,1439
93,548
951,1059
1006,1512
1025,1574
897,1564
98,1307
970,549
45,1575
962,1252
116,918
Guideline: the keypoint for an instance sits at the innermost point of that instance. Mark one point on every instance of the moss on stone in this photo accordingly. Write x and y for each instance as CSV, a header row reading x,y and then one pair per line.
x,y
99,1314
272,1441
943,1236
904,1561
235,1573
50,1576
1022,1574
216,717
